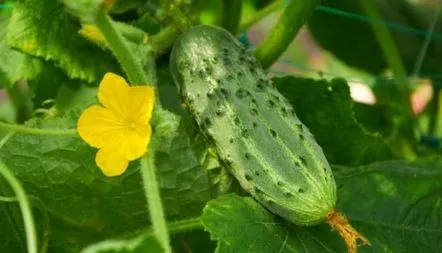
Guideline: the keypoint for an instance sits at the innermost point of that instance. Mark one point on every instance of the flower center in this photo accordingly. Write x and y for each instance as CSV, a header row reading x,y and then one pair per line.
x,y
132,125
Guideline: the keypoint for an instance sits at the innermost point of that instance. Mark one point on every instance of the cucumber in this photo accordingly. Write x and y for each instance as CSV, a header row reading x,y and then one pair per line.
x,y
254,128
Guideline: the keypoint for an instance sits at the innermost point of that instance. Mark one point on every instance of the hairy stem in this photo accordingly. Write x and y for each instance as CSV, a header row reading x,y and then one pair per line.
x,y
185,225
128,60
163,40
151,191
288,25
37,131
231,15
25,207
136,72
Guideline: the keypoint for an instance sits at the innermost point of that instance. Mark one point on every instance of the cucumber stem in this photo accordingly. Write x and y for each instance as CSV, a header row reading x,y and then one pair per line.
x,y
36,131
163,40
231,15
290,22
120,48
339,223
137,75
154,202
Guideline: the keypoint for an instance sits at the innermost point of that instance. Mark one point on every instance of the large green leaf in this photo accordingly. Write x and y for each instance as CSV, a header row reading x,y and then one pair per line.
x,y
326,108
43,28
397,206
180,159
61,172
14,65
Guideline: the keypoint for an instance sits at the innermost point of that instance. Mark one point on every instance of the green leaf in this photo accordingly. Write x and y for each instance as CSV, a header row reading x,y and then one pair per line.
x,y
396,205
180,159
326,108
143,243
61,172
45,85
373,117
75,98
57,39
14,65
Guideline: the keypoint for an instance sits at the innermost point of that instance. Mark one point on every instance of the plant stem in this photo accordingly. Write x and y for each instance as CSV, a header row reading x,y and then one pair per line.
x,y
8,199
185,225
152,193
164,39
37,131
277,41
6,138
23,201
136,74
390,51
131,65
21,102
260,14
231,15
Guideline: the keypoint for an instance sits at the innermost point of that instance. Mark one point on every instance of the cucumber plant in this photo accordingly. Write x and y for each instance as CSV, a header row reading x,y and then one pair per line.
x,y
255,130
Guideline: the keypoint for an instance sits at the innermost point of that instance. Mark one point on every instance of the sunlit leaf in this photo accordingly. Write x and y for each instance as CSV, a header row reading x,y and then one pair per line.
x,y
44,29
326,108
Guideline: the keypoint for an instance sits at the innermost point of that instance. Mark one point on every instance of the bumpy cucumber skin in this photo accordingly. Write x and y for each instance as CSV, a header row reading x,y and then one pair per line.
x,y
253,127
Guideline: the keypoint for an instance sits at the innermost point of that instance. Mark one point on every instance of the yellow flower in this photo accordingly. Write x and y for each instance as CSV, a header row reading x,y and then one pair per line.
x,y
120,128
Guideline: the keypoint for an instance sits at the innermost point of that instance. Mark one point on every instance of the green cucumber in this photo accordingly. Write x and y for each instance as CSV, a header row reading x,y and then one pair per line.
x,y
253,127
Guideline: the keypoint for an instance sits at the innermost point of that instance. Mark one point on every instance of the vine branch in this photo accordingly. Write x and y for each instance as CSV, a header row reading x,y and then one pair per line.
x,y
288,25
231,15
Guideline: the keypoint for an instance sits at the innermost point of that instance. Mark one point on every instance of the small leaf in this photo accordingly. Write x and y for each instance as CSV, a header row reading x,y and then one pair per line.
x,y
44,29
326,108
396,205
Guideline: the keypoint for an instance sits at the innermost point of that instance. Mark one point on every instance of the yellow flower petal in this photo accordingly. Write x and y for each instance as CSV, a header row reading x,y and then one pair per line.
x,y
113,93
135,142
110,162
142,99
99,127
